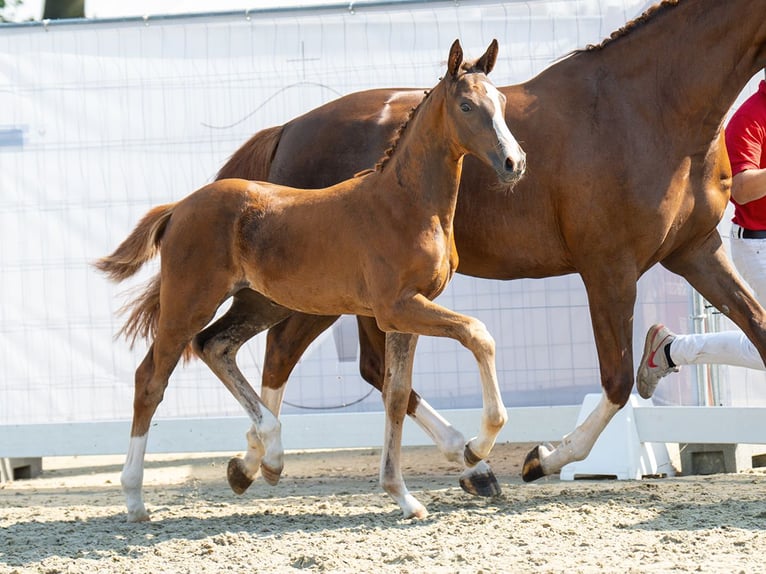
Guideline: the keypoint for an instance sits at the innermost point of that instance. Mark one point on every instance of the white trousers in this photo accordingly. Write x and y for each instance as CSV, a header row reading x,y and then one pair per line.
x,y
729,347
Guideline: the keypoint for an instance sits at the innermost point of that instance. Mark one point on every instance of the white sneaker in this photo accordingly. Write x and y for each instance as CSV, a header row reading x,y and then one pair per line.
x,y
654,362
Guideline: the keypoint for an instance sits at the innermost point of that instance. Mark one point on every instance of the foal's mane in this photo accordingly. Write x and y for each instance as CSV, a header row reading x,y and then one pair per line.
x,y
467,67
647,16
397,136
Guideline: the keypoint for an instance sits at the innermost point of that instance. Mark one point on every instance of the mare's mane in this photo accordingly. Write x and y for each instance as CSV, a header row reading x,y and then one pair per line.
x,y
629,27
643,19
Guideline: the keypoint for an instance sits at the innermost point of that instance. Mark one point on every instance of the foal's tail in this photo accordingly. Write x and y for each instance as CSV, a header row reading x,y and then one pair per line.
x,y
253,160
139,247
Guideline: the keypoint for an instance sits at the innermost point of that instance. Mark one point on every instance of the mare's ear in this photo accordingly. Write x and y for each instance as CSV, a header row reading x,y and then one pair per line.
x,y
487,61
455,59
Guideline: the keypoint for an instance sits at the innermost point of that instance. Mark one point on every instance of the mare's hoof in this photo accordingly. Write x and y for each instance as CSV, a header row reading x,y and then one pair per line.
x,y
235,474
533,468
416,514
270,475
481,484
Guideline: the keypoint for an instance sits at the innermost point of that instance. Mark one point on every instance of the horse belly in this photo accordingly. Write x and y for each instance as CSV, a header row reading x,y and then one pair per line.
x,y
310,283
308,296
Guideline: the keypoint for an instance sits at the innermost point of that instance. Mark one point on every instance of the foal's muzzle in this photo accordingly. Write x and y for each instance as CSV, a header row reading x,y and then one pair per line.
x,y
513,168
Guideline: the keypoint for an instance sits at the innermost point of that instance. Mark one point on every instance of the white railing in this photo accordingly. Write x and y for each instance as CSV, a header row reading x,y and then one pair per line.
x,y
324,431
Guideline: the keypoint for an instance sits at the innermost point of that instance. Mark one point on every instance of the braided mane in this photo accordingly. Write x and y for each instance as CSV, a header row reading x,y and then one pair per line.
x,y
633,24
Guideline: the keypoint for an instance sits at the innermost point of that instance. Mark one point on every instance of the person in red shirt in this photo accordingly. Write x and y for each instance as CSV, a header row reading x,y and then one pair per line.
x,y
665,351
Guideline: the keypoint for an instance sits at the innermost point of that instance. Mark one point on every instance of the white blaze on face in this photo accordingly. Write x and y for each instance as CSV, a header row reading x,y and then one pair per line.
x,y
504,135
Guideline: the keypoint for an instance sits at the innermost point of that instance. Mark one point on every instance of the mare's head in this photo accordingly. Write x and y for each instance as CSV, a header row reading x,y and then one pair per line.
x,y
476,110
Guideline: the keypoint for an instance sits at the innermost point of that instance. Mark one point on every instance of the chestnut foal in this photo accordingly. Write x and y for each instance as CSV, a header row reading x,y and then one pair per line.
x,y
380,244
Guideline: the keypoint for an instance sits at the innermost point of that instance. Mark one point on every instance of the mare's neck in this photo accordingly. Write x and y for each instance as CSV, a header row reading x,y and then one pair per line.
x,y
690,60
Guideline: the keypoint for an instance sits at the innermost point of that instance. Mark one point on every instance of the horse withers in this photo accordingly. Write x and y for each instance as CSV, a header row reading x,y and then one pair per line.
x,y
380,244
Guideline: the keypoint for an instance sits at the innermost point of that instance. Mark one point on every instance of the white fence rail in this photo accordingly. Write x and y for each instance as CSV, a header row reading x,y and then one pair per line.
x,y
733,425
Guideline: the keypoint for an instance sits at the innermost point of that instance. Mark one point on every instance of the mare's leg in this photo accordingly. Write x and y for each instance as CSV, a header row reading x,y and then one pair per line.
x,y
249,314
478,480
176,326
285,344
400,355
611,299
708,270
419,315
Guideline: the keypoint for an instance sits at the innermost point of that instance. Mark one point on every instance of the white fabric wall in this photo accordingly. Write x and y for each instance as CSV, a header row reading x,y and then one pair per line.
x,y
100,121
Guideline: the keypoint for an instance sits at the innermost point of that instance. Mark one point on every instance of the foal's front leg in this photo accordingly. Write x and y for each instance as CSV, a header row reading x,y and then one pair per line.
x,y
420,315
288,340
397,383
478,480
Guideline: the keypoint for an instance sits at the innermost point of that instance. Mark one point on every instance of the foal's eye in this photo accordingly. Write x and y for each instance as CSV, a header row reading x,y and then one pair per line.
x,y
465,107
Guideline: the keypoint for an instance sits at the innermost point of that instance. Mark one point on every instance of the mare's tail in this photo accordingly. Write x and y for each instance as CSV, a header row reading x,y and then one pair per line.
x,y
253,160
139,247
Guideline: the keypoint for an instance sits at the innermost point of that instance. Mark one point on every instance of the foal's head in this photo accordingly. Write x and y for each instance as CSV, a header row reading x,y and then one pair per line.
x,y
476,110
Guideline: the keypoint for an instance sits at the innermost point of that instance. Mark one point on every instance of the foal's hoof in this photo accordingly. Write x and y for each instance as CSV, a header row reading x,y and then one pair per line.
x,y
418,513
235,474
140,515
533,468
480,483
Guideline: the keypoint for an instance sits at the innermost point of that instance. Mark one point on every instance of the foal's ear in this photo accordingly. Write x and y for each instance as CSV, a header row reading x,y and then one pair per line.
x,y
487,61
455,59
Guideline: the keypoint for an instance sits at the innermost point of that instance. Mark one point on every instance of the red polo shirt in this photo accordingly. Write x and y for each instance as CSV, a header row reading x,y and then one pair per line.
x,y
745,141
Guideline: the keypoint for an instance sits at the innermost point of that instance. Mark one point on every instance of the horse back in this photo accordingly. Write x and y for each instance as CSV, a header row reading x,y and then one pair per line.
x,y
334,142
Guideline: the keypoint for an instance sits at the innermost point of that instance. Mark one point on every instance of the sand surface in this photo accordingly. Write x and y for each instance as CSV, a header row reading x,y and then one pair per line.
x,y
328,514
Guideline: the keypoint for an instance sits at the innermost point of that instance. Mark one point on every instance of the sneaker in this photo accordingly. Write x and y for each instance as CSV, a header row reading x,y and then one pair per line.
x,y
654,362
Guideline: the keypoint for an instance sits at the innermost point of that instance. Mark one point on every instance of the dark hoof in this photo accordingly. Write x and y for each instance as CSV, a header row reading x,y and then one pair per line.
x,y
235,474
471,459
532,469
481,484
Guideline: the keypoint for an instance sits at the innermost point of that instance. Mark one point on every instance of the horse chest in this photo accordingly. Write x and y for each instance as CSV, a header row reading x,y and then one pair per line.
x,y
435,259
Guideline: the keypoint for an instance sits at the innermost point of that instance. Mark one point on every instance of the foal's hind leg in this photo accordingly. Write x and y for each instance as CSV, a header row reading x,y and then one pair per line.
x,y
177,324
151,380
478,480
249,314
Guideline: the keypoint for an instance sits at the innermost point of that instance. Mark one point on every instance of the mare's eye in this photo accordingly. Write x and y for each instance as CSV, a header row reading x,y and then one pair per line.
x,y
465,107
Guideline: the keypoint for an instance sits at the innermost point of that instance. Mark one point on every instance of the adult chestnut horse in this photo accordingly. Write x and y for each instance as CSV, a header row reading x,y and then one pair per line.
x,y
627,168
379,244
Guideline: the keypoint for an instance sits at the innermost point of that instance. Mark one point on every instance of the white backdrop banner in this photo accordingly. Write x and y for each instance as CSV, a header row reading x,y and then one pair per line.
x,y
100,121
